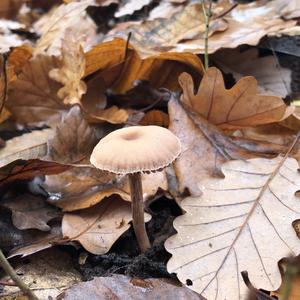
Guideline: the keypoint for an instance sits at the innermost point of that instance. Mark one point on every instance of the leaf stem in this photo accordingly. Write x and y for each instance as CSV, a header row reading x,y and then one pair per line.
x,y
207,15
12,273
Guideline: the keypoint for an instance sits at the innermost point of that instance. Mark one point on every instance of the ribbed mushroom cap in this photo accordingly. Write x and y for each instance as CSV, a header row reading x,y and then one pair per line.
x,y
136,149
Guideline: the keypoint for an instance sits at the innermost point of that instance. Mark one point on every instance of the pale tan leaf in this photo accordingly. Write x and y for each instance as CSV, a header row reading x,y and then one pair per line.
x,y
240,106
73,140
27,146
130,7
241,222
272,78
205,147
81,188
56,24
98,227
32,97
71,71
120,287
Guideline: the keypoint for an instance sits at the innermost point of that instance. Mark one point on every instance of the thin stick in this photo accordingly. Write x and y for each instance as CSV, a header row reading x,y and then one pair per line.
x,y
137,206
207,16
12,273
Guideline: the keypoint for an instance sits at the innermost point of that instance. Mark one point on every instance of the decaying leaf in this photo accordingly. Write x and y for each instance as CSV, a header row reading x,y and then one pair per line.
x,y
241,222
155,117
272,78
120,287
205,147
27,169
98,227
130,7
30,212
57,23
73,139
32,96
27,146
237,107
71,71
184,30
81,188
111,56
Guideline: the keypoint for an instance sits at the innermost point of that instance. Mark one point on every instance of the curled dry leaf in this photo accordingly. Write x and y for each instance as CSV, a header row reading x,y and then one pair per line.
x,y
71,71
27,169
237,107
120,287
205,148
73,140
27,146
235,225
30,212
98,227
81,188
110,56
32,96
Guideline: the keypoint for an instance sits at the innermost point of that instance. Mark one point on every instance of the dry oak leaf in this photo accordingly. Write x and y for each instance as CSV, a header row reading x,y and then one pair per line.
x,y
98,227
241,222
81,188
30,212
119,287
237,107
119,72
73,139
27,169
205,147
71,71
32,97
27,146
130,7
163,35
58,22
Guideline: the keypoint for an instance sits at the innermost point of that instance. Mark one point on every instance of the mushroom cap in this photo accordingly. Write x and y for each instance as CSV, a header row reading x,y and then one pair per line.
x,y
136,149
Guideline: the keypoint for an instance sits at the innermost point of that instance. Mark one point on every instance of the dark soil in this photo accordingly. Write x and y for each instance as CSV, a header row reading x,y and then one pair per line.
x,y
125,258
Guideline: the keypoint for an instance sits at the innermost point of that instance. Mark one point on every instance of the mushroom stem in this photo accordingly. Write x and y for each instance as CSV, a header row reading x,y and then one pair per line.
x,y
137,207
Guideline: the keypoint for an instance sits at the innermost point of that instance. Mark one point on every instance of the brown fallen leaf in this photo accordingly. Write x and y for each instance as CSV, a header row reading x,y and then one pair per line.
x,y
71,71
32,97
73,139
237,107
235,225
54,26
27,169
205,147
163,35
98,227
272,79
39,241
81,188
27,146
155,117
111,56
119,287
30,212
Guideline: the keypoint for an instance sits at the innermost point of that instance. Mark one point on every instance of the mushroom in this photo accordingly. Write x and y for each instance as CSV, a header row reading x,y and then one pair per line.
x,y
132,151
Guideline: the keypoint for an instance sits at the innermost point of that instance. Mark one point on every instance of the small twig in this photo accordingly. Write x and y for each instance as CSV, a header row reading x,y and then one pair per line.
x,y
207,13
5,84
12,273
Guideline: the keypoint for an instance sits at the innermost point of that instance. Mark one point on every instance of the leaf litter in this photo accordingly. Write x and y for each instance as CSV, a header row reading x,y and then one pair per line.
x,y
67,86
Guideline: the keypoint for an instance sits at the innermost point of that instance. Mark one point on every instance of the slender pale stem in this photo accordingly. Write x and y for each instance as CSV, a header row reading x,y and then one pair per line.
x,y
137,206
207,16
12,273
